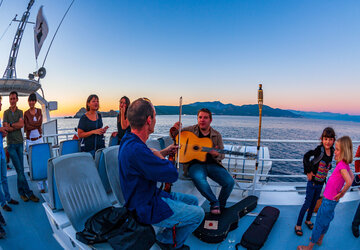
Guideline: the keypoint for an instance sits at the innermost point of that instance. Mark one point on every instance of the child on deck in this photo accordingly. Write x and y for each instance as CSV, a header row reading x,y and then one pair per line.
x,y
316,171
334,190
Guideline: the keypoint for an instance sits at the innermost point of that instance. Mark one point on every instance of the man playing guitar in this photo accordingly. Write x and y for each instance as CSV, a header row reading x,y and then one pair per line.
x,y
212,167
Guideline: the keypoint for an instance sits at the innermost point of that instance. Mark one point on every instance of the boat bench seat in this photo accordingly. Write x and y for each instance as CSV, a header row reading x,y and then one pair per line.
x,y
39,154
100,164
113,141
69,147
103,157
81,191
159,143
112,170
52,197
71,234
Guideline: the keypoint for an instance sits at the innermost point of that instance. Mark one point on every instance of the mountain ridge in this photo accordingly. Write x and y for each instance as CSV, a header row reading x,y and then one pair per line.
x,y
219,108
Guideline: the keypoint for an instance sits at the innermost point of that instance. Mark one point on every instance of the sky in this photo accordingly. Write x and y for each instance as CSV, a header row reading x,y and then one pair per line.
x,y
305,53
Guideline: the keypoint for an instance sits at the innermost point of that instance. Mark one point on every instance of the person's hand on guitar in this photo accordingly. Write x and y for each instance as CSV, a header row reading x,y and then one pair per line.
x,y
174,130
214,153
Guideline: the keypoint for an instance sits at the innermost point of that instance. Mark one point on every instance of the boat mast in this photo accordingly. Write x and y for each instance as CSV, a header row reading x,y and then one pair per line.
x,y
10,71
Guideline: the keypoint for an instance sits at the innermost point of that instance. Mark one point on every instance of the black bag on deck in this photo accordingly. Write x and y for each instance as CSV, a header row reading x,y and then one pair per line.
x,y
356,181
215,228
257,233
119,228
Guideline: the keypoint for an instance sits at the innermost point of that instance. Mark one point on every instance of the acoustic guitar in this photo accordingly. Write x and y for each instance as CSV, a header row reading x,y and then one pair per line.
x,y
195,148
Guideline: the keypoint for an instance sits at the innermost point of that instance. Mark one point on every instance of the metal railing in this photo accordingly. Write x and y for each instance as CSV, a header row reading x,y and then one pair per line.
x,y
256,175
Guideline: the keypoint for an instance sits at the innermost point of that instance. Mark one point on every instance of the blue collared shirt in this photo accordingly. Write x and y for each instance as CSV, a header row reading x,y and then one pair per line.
x,y
140,170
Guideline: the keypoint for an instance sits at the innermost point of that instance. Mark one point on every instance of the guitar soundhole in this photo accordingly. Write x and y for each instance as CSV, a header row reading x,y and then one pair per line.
x,y
196,148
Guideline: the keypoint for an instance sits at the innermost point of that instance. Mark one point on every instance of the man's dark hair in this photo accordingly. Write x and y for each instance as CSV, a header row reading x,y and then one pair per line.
x,y
14,93
32,97
206,111
89,99
138,112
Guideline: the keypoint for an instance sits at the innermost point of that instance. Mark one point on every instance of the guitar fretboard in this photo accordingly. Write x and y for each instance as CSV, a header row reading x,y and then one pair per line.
x,y
229,152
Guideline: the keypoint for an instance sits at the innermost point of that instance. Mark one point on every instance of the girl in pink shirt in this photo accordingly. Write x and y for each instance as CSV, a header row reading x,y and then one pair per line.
x,y
334,190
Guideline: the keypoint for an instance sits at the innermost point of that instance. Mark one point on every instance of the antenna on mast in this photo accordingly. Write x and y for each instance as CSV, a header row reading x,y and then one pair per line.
x,y
10,71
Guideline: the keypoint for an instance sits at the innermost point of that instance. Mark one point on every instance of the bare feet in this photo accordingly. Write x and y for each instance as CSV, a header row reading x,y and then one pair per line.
x,y
319,242
309,247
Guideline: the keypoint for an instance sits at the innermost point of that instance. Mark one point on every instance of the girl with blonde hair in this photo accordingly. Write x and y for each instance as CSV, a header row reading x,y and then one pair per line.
x,y
334,190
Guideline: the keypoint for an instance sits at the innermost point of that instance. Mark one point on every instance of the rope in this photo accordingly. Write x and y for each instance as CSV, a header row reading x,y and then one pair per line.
x,y
5,29
47,52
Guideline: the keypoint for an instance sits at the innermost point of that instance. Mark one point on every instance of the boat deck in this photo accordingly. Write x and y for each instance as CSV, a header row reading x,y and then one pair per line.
x,y
283,236
28,227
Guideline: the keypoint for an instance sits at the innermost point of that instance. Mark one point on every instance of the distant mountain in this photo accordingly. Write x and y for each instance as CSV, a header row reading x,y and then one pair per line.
x,y
218,108
327,116
82,111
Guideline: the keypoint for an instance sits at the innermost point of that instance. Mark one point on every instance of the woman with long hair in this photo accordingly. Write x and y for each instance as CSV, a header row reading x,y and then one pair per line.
x,y
123,124
90,128
32,126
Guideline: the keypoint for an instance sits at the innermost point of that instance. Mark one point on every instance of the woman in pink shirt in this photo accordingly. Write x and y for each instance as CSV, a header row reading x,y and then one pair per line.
x,y
334,190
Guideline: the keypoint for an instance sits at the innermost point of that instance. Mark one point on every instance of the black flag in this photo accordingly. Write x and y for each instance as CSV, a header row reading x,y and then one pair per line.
x,y
41,30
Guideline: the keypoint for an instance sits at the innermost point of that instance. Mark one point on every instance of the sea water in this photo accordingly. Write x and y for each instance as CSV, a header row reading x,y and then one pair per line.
x,y
248,126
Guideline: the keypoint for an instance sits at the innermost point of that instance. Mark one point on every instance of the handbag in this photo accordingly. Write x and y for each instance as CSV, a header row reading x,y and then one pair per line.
x,y
119,227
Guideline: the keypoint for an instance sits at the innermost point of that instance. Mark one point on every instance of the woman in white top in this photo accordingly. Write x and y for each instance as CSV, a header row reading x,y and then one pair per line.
x,y
32,127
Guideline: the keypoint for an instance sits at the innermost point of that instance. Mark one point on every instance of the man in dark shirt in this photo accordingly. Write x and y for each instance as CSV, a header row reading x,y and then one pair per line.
x,y
212,167
141,168
13,121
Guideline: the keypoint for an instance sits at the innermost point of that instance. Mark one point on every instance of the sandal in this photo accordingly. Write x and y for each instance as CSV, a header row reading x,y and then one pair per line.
x,y
298,232
309,225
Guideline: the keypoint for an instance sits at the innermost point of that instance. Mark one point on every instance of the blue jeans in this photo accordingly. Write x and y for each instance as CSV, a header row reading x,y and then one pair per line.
x,y
324,217
4,197
187,217
313,192
17,158
198,173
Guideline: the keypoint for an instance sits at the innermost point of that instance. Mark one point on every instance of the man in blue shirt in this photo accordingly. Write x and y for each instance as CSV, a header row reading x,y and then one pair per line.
x,y
141,168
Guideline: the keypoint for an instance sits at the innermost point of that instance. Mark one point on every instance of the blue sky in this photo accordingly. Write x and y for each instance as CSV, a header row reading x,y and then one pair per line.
x,y
305,53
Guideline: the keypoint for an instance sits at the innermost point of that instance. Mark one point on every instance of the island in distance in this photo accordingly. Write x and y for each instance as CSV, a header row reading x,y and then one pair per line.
x,y
218,108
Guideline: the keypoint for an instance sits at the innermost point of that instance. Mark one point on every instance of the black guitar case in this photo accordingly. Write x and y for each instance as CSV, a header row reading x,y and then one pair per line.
x,y
258,232
215,228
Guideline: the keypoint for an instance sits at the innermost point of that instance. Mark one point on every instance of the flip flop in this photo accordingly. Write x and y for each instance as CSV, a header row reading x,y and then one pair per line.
x,y
298,232
310,225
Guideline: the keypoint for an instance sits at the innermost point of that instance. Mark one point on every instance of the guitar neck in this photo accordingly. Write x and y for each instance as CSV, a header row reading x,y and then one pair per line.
x,y
224,151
